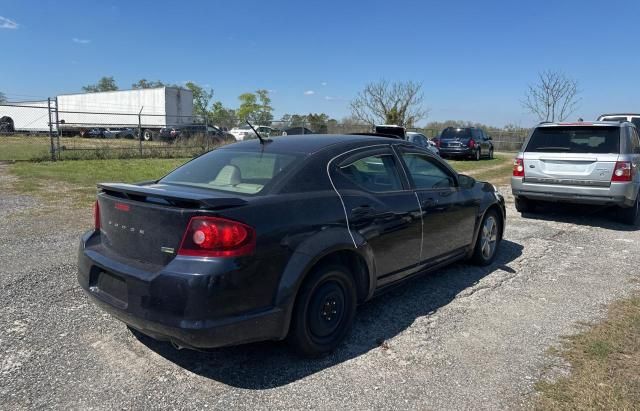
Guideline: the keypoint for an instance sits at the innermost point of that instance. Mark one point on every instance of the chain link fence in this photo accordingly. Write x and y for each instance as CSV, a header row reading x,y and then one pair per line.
x,y
40,130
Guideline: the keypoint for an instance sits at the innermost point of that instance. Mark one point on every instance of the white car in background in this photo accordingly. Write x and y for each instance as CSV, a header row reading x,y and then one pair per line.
x,y
246,133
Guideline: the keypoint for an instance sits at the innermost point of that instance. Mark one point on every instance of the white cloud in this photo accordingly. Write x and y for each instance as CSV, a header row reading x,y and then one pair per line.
x,y
6,23
80,41
333,98
309,93
324,83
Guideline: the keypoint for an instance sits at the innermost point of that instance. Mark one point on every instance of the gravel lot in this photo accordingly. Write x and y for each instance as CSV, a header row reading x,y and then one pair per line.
x,y
464,337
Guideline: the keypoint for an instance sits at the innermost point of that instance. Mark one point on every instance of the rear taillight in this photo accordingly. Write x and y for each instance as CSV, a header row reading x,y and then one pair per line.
x,y
96,216
217,237
472,143
623,171
518,167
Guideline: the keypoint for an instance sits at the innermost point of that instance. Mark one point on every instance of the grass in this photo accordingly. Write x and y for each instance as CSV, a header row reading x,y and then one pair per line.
x,y
496,171
78,179
605,365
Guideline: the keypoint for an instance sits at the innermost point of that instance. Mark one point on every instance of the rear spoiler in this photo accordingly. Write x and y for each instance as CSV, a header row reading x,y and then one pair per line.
x,y
176,197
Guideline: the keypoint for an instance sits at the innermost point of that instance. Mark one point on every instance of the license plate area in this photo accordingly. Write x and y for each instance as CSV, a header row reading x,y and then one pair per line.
x,y
110,287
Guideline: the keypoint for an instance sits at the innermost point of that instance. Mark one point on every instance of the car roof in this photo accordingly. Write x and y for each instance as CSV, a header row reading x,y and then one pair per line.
x,y
581,123
308,143
619,114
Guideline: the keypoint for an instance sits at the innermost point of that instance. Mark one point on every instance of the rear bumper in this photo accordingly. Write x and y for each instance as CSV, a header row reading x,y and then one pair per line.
x,y
620,194
175,305
457,151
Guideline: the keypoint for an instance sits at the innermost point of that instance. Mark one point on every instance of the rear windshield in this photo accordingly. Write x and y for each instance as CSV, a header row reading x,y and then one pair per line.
x,y
575,140
456,133
232,171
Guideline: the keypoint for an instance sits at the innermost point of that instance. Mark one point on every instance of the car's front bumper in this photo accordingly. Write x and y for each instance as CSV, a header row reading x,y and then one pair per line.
x,y
179,303
620,194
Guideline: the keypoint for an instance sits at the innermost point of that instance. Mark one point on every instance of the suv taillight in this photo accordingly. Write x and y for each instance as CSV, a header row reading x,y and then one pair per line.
x,y
96,216
623,171
518,167
217,237
472,143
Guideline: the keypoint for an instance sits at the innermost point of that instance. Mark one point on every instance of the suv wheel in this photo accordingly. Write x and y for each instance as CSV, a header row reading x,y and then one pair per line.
x,y
324,311
491,153
488,239
477,155
524,205
630,215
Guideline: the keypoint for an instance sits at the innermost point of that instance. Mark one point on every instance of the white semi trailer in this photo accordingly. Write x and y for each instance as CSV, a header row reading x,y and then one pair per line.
x,y
158,107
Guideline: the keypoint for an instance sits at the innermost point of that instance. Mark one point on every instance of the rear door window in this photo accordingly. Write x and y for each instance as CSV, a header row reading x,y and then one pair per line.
x,y
376,173
581,139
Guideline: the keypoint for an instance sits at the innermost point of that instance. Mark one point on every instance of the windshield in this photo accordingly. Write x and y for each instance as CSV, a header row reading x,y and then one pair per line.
x,y
456,133
575,140
232,171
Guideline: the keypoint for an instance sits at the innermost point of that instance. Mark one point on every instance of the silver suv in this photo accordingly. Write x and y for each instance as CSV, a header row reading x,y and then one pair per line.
x,y
586,162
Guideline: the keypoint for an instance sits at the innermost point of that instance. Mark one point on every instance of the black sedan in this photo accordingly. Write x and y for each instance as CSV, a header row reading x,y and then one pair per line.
x,y
282,238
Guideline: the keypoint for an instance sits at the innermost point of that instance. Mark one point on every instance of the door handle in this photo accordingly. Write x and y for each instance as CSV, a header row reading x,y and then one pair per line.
x,y
429,203
362,211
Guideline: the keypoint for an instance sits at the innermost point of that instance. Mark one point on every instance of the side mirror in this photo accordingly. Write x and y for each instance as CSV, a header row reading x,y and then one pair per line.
x,y
466,181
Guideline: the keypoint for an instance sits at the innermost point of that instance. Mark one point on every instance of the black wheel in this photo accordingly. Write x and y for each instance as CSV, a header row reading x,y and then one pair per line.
x,y
477,155
491,153
324,311
629,215
524,205
488,240
147,135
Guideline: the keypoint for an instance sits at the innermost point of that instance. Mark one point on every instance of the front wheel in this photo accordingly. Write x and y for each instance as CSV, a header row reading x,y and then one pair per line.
x,y
630,215
147,135
491,154
488,240
477,156
324,311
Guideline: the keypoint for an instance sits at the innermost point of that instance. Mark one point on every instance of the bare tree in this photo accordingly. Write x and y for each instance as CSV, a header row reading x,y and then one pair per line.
x,y
392,103
553,98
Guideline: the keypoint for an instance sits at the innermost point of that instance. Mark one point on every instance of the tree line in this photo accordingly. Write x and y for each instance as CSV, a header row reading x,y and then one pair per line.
x,y
553,97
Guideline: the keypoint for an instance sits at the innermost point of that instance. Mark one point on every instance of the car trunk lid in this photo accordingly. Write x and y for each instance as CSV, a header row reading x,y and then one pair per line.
x,y
146,223
577,155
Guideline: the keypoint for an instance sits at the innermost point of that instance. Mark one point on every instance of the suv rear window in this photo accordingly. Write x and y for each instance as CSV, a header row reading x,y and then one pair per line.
x,y
581,139
232,171
456,133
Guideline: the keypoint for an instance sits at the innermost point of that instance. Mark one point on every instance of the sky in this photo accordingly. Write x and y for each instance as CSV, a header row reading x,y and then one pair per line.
x,y
474,59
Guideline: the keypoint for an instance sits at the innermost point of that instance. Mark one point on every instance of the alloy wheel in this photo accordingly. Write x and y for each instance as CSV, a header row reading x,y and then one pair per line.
x,y
489,237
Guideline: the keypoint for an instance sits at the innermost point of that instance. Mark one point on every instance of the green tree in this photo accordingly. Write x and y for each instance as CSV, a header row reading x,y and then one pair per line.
x,y
256,107
222,116
104,84
201,99
144,83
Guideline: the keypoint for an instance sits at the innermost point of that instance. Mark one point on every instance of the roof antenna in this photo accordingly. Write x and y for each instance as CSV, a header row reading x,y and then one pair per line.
x,y
262,140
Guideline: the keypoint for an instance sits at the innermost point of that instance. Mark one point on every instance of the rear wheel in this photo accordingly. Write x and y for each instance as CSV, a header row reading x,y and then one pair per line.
x,y
630,215
477,155
324,311
524,205
488,239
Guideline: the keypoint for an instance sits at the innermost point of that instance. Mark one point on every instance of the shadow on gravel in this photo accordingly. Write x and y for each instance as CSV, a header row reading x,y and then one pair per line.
x,y
267,365
594,216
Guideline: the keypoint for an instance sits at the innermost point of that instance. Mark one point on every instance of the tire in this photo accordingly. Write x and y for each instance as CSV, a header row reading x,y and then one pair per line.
x,y
491,153
488,240
524,205
147,135
477,155
629,215
324,311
